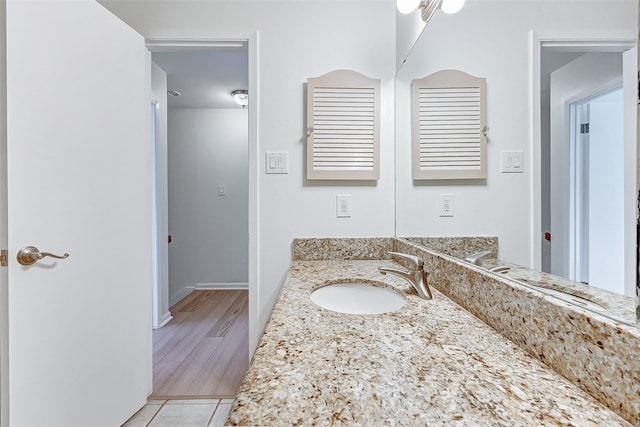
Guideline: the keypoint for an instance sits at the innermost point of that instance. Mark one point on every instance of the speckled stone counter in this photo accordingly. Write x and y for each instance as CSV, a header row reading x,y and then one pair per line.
x,y
431,362
596,353
616,306
459,246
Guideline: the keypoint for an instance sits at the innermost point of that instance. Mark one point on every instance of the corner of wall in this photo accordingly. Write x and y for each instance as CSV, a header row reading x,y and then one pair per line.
x,y
408,29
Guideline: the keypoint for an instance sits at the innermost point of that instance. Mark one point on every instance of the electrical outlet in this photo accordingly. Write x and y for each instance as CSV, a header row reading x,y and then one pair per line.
x,y
343,205
446,205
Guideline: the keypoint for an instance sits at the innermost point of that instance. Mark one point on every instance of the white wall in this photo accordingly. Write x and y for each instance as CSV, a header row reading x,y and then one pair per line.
x,y
207,148
481,41
408,29
549,62
296,40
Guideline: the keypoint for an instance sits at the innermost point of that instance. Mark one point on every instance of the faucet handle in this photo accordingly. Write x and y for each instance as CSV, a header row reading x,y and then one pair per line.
x,y
416,262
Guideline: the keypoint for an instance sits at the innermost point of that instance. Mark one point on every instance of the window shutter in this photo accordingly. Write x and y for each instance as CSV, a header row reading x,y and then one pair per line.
x,y
448,120
343,119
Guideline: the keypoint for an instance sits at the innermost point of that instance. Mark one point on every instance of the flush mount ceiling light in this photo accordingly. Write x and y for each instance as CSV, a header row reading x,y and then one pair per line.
x,y
241,97
173,93
429,7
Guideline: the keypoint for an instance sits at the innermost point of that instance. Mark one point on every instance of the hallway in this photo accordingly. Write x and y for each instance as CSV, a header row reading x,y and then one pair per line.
x,y
202,353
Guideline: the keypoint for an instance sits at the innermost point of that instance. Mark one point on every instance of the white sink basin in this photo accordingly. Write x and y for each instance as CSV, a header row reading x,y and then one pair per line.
x,y
358,298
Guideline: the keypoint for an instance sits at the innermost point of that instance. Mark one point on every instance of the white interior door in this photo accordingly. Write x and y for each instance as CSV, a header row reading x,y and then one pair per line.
x,y
606,269
79,181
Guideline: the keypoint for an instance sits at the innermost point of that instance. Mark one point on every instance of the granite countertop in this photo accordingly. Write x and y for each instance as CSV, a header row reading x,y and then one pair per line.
x,y
431,362
615,306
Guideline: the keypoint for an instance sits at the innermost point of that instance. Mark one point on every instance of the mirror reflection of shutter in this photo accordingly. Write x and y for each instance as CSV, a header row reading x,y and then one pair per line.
x,y
448,118
343,117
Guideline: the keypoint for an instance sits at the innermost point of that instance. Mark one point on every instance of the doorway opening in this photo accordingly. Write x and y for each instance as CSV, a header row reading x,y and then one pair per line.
x,y
597,190
583,68
200,336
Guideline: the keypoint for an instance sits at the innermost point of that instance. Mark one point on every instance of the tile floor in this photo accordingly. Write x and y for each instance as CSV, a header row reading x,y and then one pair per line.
x,y
182,413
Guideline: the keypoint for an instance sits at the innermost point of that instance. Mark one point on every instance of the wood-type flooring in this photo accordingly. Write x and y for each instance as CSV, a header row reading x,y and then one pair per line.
x,y
203,352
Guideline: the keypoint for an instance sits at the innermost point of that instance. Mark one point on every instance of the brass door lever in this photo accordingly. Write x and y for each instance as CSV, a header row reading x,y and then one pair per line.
x,y
30,254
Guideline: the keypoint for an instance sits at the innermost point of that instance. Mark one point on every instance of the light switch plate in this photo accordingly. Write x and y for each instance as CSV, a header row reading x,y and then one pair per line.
x,y
511,161
277,162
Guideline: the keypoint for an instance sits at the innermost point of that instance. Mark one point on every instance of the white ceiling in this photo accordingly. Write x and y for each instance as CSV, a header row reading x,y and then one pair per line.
x,y
204,78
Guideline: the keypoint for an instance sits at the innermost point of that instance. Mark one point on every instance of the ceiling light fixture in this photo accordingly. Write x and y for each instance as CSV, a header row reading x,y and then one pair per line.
x,y
452,6
429,7
241,97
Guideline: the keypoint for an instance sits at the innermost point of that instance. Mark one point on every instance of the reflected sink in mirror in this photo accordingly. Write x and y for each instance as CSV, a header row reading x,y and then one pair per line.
x,y
358,298
574,299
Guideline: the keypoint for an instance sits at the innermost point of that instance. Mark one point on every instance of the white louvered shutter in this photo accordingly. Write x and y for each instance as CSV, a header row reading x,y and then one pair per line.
x,y
448,118
343,120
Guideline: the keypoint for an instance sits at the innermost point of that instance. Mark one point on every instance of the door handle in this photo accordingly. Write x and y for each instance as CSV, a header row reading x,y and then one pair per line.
x,y
30,254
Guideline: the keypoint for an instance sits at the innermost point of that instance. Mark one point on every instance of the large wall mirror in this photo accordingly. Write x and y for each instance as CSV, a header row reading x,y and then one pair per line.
x,y
561,92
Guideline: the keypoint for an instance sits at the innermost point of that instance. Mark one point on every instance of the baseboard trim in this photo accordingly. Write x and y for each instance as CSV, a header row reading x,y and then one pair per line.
x,y
164,320
206,287
181,294
222,286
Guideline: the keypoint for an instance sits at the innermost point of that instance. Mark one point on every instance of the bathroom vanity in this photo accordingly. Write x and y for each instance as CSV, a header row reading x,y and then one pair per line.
x,y
430,362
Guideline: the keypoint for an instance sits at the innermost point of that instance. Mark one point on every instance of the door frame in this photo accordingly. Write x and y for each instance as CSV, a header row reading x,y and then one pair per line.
x,y
159,315
4,223
163,44
579,185
561,40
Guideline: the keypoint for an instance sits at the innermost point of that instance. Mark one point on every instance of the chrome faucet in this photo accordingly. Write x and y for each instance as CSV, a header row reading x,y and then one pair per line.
x,y
415,275
477,258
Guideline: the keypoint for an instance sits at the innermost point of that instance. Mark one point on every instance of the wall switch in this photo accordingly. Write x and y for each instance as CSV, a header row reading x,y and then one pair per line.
x,y
511,161
446,205
343,205
221,190
277,162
